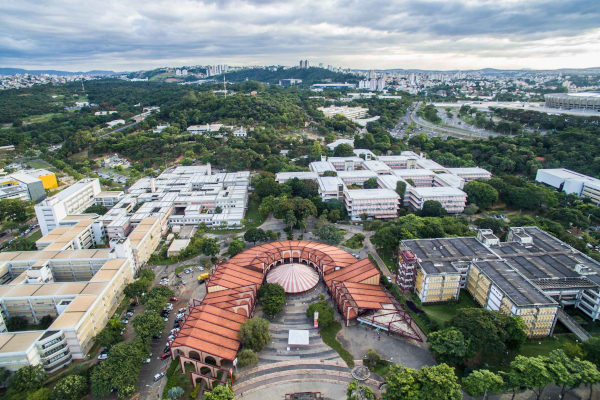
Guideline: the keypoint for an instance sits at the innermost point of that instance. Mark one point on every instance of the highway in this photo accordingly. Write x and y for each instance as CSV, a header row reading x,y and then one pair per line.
x,y
444,131
120,129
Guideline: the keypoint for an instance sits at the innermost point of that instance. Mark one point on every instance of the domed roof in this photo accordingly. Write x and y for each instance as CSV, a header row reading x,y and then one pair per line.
x,y
294,278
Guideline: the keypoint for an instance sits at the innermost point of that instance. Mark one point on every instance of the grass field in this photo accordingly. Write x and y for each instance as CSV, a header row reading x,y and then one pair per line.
x,y
355,242
442,313
35,236
329,337
253,217
36,119
40,164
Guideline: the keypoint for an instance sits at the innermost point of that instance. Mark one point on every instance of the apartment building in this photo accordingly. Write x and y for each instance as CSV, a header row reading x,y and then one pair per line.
x,y
73,200
529,275
144,239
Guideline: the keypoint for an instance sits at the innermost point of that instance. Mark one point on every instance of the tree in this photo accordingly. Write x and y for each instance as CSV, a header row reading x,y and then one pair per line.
x,y
315,151
329,234
371,359
136,288
591,348
343,150
16,323
448,345
482,382
43,393
481,193
110,334
429,383
266,186
210,247
147,324
219,393
371,183
359,392
589,375
432,208
71,387
254,333
272,297
401,190
175,393
561,369
247,358
326,315
254,235
235,247
471,209
96,209
28,378
529,372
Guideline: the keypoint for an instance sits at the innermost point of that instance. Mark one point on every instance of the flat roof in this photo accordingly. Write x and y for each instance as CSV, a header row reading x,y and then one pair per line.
x,y
439,191
17,342
514,285
371,194
298,337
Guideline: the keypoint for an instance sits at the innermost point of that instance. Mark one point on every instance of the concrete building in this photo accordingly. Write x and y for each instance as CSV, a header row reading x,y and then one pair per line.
x,y
452,199
72,200
80,288
22,186
424,180
529,275
351,113
570,182
374,203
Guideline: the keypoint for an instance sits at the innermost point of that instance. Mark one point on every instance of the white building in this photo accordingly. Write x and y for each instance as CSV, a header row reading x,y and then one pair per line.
x,y
452,199
351,113
570,182
374,203
112,124
72,200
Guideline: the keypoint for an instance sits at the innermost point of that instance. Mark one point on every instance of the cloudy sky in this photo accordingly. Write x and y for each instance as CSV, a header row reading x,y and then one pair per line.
x,y
428,34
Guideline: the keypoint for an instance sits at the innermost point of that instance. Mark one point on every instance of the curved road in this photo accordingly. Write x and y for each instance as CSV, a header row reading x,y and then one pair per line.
x,y
437,130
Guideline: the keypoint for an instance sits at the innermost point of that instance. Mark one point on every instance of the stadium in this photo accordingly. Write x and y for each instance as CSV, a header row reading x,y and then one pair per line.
x,y
589,101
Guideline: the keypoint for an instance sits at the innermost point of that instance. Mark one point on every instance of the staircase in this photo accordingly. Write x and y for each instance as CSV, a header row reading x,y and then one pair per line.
x,y
572,325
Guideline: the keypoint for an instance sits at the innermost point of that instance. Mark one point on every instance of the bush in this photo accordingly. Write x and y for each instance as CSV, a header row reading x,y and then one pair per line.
x,y
326,316
254,333
247,358
372,359
272,297
16,324
72,387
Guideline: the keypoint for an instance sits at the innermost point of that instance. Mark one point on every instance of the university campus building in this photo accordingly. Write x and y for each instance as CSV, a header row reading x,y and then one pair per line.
x,y
532,275
208,339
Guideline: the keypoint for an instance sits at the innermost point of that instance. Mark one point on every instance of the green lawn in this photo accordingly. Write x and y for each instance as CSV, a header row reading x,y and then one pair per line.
x,y
355,242
442,313
388,260
40,164
175,377
253,217
39,118
35,235
329,337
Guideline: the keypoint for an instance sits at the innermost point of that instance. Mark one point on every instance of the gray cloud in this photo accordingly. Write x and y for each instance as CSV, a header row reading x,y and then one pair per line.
x,y
446,34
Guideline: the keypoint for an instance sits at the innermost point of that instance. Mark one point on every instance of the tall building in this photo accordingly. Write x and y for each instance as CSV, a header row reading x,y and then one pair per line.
x,y
72,200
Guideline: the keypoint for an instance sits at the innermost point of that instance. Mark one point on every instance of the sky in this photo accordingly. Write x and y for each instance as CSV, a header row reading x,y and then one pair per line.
x,y
128,35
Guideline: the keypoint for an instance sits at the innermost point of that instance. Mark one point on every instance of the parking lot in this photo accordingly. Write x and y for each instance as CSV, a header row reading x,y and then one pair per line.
x,y
186,288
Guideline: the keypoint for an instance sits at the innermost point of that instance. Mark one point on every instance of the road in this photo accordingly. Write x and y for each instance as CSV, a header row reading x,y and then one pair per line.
x,y
150,390
444,131
120,129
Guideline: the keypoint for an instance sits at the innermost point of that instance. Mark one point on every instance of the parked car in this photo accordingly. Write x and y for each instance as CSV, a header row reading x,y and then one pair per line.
x,y
165,355
158,376
125,321
103,355
173,299
156,337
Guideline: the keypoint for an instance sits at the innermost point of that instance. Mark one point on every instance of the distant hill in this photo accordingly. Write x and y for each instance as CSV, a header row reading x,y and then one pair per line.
x,y
308,75
13,71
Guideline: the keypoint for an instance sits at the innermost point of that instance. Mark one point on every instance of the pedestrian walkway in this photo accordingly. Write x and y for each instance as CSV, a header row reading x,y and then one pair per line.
x,y
572,325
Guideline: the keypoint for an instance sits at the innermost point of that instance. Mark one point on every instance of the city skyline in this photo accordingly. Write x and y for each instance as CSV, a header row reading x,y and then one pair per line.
x,y
430,35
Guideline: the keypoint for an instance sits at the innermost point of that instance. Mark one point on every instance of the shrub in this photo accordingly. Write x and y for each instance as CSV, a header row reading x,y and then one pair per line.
x,y
247,358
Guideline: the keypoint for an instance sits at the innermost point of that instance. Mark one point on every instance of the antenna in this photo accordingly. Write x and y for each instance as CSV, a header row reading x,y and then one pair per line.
x,y
224,86
82,87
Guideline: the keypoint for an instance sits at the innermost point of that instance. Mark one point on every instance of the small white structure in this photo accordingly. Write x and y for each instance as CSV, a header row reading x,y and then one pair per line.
x,y
298,337
177,246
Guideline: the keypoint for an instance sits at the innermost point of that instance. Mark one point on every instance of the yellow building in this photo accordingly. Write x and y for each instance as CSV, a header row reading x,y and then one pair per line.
x,y
48,178
79,288
144,239
495,285
435,282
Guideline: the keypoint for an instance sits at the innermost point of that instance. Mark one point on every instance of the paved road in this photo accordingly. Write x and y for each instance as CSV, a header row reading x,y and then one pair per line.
x,y
150,390
120,129
436,130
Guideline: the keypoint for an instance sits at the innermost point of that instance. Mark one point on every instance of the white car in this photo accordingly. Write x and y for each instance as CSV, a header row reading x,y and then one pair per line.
x,y
158,376
103,355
